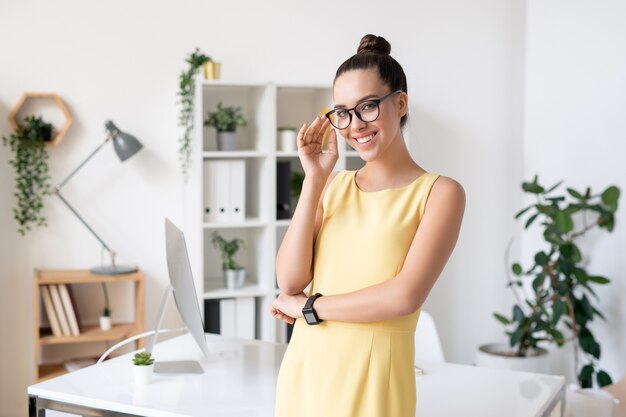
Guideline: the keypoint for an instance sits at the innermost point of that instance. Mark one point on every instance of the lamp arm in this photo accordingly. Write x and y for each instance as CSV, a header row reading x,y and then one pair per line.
x,y
58,187
58,193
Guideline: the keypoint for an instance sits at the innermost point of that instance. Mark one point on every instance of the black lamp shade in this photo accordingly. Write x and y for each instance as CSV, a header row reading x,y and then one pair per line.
x,y
125,145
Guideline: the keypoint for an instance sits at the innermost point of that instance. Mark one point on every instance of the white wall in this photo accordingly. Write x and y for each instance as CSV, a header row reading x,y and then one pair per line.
x,y
121,60
574,130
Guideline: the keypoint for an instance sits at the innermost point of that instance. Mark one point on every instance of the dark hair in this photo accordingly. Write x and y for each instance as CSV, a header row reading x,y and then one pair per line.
x,y
373,52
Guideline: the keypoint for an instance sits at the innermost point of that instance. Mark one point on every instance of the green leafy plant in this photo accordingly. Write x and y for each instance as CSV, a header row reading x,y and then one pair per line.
x,y
562,289
225,118
106,312
143,359
229,249
32,179
187,87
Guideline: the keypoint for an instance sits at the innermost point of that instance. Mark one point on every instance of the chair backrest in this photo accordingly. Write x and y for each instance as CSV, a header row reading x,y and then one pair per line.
x,y
427,344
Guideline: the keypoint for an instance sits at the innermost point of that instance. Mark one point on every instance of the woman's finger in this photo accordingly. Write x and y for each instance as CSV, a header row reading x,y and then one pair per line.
x,y
310,133
300,137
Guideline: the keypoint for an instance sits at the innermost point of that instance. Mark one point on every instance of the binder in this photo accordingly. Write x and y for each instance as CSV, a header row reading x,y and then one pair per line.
x,y
209,195
245,318
228,314
58,307
221,187
237,204
49,307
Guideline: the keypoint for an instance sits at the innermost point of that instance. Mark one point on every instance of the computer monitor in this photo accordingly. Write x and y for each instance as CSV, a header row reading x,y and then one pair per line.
x,y
185,297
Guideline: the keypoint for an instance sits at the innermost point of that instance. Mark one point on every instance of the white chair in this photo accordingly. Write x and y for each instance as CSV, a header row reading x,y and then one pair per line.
x,y
427,344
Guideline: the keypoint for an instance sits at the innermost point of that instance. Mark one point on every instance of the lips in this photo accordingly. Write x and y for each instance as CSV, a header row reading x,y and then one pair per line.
x,y
364,141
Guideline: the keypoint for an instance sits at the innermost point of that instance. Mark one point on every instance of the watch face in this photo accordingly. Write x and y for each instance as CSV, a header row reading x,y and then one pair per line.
x,y
310,317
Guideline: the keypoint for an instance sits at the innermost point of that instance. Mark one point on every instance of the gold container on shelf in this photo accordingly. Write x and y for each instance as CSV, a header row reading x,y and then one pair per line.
x,y
212,70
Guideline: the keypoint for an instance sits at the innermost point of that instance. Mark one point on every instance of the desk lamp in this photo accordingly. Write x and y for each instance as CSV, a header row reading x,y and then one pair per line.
x,y
125,146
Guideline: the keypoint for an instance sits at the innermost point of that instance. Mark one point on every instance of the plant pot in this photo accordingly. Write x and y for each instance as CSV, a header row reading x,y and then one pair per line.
x,y
287,140
499,355
227,141
234,278
143,374
212,70
105,323
583,402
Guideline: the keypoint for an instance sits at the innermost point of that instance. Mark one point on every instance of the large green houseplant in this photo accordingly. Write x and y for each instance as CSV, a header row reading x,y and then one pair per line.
x,y
187,88
32,179
555,294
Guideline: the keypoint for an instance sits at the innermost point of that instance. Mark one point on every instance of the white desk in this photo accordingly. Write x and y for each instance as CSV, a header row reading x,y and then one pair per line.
x,y
240,379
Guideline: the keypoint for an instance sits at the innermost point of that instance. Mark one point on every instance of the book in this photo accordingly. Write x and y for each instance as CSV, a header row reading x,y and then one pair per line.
x,y
68,306
49,307
58,307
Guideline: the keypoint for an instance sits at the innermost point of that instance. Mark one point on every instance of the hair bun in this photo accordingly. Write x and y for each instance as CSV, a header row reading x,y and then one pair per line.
x,y
375,44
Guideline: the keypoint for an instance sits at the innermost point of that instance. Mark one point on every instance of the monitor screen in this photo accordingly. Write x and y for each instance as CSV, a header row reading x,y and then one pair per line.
x,y
182,283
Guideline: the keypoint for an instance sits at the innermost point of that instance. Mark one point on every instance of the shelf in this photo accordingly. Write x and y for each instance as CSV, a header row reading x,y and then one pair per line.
x,y
233,154
287,154
283,222
248,223
50,371
245,291
80,276
93,333
220,83
353,154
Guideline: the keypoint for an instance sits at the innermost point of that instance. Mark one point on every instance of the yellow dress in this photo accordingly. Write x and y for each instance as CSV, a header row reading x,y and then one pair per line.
x,y
341,369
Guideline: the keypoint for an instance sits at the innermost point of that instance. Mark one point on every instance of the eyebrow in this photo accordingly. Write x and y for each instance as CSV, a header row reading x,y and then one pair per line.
x,y
340,106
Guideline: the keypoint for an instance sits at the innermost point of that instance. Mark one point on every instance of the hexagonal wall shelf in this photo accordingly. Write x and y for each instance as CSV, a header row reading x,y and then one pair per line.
x,y
48,96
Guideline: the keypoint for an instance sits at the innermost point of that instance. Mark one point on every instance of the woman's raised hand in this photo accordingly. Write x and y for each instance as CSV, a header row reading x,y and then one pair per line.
x,y
314,161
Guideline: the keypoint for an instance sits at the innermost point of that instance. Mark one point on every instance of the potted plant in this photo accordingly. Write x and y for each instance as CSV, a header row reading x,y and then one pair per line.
x,y
287,138
555,294
32,179
105,319
143,367
234,274
226,119
187,89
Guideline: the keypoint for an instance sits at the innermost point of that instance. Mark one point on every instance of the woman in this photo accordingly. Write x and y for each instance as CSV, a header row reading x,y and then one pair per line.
x,y
355,237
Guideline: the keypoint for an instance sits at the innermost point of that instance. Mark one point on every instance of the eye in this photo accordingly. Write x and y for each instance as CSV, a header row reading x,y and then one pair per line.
x,y
367,106
341,113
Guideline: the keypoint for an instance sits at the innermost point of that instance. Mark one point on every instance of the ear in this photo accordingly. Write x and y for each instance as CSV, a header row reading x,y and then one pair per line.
x,y
403,104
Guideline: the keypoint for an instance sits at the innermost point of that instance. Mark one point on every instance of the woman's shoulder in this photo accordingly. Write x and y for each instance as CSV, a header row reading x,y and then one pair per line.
x,y
445,191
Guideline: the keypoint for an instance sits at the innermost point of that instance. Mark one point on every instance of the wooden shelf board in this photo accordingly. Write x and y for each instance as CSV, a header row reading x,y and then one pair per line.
x,y
63,276
48,371
93,333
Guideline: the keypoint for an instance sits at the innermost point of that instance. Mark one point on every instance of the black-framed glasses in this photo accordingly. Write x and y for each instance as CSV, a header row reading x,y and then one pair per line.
x,y
367,111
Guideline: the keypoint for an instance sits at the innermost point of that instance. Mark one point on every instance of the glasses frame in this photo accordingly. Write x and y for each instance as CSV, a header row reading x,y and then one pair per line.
x,y
377,101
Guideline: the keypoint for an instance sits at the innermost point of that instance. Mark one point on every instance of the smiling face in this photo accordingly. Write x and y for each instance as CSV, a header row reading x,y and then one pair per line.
x,y
370,139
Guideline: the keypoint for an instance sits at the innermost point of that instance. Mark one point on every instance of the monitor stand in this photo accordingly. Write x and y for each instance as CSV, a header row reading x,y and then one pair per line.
x,y
169,367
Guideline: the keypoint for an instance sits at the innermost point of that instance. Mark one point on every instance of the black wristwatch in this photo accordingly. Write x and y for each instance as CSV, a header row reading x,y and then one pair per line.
x,y
309,313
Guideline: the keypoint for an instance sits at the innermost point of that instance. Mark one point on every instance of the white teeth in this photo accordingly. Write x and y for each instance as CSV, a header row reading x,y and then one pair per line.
x,y
365,139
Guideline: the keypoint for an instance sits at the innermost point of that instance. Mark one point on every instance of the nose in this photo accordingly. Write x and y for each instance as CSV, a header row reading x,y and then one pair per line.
x,y
357,123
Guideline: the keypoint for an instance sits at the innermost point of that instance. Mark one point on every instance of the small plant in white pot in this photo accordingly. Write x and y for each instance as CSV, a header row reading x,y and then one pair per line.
x,y
143,367
234,274
105,318
226,119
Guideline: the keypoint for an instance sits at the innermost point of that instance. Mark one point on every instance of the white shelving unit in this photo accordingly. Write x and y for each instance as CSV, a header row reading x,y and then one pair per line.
x,y
266,106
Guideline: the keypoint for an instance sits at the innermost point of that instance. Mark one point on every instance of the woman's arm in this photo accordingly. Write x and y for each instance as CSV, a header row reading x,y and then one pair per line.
x,y
403,294
294,261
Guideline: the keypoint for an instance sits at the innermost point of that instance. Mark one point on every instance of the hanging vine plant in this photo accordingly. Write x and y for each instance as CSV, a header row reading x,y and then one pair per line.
x,y
32,179
187,87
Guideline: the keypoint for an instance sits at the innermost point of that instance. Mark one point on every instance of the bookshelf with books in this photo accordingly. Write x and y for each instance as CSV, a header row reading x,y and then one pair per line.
x,y
268,108
55,300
